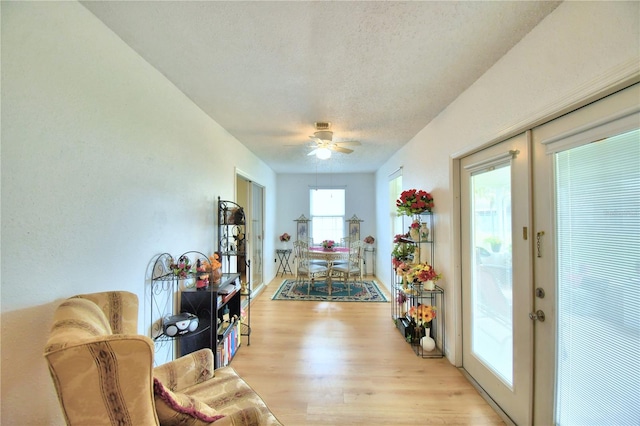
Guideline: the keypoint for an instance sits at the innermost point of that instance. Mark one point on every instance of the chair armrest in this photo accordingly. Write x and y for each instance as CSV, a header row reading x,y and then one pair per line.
x,y
187,370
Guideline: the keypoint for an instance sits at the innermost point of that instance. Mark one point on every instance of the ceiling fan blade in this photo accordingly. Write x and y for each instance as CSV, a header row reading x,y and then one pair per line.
x,y
313,152
349,143
341,149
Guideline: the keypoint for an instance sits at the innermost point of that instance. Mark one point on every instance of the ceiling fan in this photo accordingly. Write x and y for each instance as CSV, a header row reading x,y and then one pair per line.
x,y
324,145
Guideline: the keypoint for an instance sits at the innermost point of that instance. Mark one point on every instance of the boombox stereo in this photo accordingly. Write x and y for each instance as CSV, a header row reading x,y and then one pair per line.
x,y
183,323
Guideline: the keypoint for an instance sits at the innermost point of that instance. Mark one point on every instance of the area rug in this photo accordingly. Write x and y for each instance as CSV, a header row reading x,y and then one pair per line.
x,y
366,291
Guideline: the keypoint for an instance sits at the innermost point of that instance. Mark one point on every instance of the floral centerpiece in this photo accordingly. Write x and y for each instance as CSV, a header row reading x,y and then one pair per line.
x,y
328,244
369,239
414,201
285,237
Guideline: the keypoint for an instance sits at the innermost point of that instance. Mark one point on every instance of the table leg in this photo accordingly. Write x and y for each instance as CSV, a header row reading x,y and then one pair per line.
x,y
329,274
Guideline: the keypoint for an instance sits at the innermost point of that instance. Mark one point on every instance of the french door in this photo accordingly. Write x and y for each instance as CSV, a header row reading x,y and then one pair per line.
x,y
551,323
587,264
496,274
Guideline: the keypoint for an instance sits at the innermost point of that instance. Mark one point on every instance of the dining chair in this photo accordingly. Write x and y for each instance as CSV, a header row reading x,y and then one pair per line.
x,y
352,268
344,242
305,268
317,261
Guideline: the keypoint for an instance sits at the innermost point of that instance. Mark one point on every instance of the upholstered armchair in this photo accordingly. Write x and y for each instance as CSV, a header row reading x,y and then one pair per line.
x,y
103,373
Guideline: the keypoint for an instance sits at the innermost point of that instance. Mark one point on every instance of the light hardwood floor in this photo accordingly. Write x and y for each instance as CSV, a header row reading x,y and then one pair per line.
x,y
338,363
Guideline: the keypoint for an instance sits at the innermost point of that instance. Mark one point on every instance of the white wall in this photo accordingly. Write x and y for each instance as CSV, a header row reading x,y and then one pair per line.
x,y
578,49
293,199
105,164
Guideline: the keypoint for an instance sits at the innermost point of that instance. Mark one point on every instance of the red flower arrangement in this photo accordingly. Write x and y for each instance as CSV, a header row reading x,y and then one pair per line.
x,y
414,201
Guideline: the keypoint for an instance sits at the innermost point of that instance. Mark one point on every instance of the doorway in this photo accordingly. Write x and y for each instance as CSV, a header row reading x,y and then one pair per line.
x,y
250,195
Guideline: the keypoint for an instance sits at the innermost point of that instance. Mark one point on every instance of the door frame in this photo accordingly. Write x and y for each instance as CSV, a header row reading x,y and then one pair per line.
x,y
248,205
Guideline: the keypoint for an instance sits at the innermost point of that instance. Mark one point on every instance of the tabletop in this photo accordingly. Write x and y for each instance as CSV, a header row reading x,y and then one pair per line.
x,y
335,253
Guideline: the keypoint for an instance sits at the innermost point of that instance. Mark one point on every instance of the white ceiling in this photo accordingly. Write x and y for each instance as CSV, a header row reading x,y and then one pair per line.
x,y
266,71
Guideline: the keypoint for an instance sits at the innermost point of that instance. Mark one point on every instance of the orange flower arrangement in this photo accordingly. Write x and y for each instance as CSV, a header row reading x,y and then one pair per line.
x,y
422,314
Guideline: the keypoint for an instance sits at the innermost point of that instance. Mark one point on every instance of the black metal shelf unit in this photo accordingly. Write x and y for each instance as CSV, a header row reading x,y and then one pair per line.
x,y
232,248
421,243
167,275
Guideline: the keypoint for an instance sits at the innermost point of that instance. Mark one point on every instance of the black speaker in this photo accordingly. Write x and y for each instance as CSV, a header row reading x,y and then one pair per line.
x,y
183,323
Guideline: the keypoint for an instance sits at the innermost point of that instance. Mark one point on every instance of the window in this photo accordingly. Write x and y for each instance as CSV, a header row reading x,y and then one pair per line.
x,y
327,214
598,222
395,189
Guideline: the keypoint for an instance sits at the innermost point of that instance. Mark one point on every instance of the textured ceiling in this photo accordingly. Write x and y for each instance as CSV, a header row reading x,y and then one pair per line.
x,y
266,71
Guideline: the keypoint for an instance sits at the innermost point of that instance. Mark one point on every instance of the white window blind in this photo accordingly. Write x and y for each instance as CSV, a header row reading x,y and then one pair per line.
x,y
327,214
598,258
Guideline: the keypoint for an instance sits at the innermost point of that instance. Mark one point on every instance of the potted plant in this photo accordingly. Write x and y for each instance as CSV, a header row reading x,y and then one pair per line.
x,y
495,243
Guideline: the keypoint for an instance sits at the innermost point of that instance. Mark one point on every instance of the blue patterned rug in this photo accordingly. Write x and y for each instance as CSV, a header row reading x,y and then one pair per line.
x,y
366,291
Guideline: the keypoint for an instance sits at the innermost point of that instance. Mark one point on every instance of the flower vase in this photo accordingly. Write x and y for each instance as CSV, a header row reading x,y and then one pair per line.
x,y
424,232
414,234
429,285
427,343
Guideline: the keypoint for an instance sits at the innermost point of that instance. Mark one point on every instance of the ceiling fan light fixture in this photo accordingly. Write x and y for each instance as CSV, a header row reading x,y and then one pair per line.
x,y
324,135
323,153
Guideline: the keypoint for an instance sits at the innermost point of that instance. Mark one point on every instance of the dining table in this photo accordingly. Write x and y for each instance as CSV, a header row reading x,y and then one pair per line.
x,y
329,256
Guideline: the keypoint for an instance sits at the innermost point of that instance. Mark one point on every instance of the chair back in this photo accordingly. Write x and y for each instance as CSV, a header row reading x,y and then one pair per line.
x,y
356,252
101,368
301,253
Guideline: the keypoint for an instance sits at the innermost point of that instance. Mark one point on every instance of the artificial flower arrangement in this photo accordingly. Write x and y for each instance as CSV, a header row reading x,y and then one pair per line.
x,y
328,244
182,268
402,270
402,250
369,239
285,237
422,315
422,272
414,201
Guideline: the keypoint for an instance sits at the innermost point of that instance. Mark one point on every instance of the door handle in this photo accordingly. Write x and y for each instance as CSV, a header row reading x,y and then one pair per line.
x,y
538,315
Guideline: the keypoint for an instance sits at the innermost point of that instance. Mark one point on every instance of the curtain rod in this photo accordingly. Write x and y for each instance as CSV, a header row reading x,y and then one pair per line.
x,y
399,169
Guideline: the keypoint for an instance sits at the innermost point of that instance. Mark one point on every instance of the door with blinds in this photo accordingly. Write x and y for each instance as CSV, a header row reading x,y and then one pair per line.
x,y
496,274
587,264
